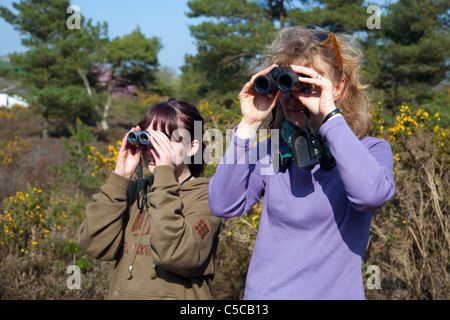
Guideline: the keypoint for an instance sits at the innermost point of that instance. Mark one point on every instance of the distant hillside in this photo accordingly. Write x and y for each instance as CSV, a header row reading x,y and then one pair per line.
x,y
5,63
7,83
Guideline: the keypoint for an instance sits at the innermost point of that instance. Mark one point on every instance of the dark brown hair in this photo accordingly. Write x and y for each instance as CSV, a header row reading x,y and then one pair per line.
x,y
177,114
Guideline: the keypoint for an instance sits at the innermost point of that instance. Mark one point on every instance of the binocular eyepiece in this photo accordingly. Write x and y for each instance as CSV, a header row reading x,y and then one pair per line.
x,y
279,78
139,138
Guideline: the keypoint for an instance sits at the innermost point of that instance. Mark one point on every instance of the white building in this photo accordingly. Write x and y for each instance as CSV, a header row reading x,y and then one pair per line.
x,y
9,101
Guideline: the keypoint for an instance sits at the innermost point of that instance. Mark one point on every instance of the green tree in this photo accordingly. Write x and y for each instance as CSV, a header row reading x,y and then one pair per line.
x,y
409,55
230,44
135,58
60,70
105,65
332,15
231,41
80,51
52,91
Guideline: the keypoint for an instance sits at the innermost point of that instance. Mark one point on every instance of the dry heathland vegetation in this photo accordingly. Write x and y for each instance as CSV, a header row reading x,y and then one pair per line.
x,y
46,183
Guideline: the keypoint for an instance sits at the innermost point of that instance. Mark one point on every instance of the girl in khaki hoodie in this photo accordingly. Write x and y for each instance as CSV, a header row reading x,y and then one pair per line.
x,y
164,241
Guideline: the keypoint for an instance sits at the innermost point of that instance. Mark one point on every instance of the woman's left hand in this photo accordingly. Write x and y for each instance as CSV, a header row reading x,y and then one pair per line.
x,y
161,150
323,101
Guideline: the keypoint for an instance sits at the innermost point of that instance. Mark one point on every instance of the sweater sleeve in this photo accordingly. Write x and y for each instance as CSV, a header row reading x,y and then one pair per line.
x,y
238,183
100,234
365,166
183,233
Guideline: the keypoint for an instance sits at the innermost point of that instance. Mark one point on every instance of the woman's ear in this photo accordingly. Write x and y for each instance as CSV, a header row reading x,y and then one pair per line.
x,y
194,148
339,89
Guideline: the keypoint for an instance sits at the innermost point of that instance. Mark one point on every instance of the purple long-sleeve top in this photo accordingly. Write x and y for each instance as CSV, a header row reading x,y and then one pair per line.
x,y
314,225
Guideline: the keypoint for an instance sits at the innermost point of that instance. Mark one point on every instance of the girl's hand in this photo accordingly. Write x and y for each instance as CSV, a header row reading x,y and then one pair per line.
x,y
255,108
322,101
128,157
162,150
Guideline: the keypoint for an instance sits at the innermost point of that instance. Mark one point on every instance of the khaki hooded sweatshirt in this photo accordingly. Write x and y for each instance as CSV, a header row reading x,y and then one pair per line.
x,y
170,249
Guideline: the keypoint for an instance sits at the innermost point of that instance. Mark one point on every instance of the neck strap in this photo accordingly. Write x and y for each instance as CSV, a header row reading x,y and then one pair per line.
x,y
185,180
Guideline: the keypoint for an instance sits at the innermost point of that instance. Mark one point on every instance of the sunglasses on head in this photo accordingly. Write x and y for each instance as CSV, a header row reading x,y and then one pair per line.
x,y
324,37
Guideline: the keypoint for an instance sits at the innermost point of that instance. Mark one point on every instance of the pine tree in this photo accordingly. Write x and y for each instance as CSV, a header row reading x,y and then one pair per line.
x,y
332,15
133,57
409,55
230,46
59,70
52,90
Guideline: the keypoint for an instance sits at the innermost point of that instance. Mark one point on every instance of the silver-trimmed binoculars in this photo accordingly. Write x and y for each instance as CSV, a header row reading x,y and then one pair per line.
x,y
139,138
280,78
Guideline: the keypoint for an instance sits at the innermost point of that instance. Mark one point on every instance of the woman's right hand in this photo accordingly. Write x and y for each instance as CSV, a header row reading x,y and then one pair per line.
x,y
255,108
128,157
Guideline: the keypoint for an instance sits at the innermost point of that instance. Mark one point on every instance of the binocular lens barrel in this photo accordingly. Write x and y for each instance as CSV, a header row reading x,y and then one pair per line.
x,y
133,137
286,82
138,137
264,85
279,78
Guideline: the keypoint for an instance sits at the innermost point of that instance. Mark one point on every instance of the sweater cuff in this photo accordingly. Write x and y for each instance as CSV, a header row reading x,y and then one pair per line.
x,y
326,130
119,182
164,175
239,142
116,187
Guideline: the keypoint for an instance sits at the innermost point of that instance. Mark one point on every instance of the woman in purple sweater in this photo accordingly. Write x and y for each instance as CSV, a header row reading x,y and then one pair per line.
x,y
315,221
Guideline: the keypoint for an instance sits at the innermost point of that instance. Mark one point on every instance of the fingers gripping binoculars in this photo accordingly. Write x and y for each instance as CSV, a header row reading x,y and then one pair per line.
x,y
139,138
280,79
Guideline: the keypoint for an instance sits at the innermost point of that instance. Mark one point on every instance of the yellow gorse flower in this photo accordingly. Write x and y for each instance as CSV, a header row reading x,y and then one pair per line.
x,y
104,164
408,122
29,217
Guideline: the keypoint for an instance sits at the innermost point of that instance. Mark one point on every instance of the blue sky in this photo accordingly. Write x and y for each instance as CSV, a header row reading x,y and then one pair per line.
x,y
166,20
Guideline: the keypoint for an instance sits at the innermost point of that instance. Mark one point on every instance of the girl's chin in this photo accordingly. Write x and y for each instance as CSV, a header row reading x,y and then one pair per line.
x,y
151,169
150,165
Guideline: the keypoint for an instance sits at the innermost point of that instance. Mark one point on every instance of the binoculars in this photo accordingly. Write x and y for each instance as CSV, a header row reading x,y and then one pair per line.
x,y
310,149
139,138
280,78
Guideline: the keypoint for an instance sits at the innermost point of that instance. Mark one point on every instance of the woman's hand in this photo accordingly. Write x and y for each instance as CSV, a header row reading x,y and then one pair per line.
x,y
255,108
128,157
323,101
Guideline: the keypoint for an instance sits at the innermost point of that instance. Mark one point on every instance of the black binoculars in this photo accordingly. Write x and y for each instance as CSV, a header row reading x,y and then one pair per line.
x,y
309,149
139,138
282,79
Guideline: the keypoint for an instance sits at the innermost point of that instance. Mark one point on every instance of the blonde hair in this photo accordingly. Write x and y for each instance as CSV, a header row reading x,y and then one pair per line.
x,y
294,45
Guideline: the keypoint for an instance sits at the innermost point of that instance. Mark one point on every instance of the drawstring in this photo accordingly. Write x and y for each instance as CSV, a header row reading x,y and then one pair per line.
x,y
154,275
141,207
130,268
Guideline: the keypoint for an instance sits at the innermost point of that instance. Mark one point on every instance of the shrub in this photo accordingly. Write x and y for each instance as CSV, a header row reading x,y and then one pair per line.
x,y
104,165
30,218
410,238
